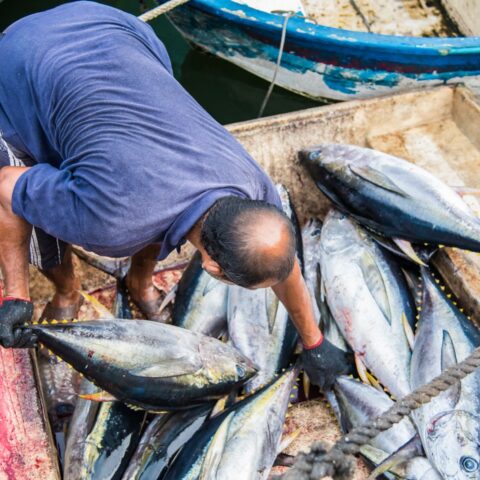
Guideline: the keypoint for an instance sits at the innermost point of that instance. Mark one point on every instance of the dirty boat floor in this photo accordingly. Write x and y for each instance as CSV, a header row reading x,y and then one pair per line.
x,y
417,18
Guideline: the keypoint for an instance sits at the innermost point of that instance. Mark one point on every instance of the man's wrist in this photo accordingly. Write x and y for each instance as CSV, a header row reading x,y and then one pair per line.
x,y
311,343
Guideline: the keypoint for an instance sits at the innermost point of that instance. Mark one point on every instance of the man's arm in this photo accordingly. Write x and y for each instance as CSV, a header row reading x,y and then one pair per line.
x,y
15,307
293,293
322,360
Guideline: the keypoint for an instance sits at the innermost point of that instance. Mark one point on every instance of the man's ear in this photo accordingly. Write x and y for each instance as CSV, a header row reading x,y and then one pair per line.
x,y
212,267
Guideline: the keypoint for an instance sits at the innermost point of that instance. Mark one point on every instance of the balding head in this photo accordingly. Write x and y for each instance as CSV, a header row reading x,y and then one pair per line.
x,y
252,241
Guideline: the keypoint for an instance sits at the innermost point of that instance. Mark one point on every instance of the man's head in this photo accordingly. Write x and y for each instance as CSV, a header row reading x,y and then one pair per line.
x,y
248,242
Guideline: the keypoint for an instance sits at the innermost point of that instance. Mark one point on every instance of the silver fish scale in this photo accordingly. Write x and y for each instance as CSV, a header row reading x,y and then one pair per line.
x,y
366,300
449,425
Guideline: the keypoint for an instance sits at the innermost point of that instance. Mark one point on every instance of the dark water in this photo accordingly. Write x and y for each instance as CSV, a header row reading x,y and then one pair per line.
x,y
229,93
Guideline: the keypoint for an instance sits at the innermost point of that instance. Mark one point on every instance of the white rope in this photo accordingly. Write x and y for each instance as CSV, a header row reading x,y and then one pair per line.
x,y
277,66
160,10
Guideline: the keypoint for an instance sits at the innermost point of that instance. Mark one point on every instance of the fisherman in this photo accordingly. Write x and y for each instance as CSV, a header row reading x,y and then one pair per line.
x,y
103,148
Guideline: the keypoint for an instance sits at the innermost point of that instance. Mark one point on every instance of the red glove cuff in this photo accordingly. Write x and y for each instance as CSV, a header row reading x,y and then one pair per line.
x,y
4,299
315,345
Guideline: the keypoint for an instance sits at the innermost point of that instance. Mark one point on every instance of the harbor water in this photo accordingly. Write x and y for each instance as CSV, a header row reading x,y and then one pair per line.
x,y
227,92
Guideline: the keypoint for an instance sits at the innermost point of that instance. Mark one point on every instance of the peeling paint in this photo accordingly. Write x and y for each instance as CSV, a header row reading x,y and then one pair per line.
x,y
319,61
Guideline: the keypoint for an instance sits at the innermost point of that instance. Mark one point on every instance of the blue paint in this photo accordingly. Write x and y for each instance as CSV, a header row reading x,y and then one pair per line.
x,y
349,59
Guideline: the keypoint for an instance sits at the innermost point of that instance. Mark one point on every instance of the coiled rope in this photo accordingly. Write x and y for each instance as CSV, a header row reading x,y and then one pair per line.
x,y
339,463
160,10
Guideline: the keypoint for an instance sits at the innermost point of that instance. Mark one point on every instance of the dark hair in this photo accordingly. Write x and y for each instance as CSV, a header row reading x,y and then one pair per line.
x,y
228,236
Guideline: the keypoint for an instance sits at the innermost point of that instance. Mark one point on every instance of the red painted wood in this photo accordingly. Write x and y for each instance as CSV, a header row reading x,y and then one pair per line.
x,y
26,450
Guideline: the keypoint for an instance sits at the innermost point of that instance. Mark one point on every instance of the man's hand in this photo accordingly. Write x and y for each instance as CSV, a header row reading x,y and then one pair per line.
x,y
13,313
323,362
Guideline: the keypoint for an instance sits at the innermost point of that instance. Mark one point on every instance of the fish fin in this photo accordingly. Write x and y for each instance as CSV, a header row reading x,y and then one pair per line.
x,y
169,298
377,178
462,191
412,448
272,305
168,370
407,248
101,396
322,291
361,369
376,284
219,406
215,450
101,309
306,385
373,381
288,439
332,400
408,331
449,359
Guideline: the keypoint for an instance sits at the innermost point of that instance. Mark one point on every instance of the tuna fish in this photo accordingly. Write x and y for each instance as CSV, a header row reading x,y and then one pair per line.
x,y
258,323
240,443
149,365
392,196
165,435
82,422
201,301
360,404
369,300
311,235
449,425
111,442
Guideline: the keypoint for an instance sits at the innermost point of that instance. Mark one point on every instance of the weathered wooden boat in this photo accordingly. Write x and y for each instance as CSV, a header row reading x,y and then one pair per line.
x,y
437,128
342,49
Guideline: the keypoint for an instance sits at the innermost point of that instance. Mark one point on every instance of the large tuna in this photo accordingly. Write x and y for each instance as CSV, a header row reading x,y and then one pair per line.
x,y
147,364
82,422
360,404
258,323
449,425
311,236
240,443
392,196
369,300
111,442
201,301
165,435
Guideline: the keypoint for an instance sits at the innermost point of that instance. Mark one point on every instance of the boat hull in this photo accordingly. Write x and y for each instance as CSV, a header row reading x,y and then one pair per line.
x,y
323,62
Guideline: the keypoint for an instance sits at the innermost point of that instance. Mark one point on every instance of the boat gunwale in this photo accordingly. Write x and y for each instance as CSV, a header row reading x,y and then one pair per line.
x,y
299,28
335,110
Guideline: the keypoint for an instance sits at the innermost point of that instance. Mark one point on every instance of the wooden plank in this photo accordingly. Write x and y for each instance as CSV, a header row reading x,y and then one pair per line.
x,y
26,448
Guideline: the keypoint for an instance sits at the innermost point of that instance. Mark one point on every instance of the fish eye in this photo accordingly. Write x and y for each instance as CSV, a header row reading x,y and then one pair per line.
x,y
469,464
240,371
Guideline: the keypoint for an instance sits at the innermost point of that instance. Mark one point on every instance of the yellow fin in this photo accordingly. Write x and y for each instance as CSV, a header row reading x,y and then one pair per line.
x,y
101,396
101,309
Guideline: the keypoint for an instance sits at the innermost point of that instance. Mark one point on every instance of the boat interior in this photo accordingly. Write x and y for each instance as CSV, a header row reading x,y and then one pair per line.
x,y
417,18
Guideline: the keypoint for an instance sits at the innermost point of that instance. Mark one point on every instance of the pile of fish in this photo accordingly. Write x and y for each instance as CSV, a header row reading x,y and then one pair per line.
x,y
396,316
206,396
178,400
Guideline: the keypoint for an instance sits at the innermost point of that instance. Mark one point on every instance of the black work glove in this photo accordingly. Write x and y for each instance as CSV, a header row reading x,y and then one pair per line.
x,y
13,313
324,363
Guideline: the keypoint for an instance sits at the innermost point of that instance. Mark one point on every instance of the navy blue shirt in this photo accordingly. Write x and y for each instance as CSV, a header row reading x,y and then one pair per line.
x,y
125,157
